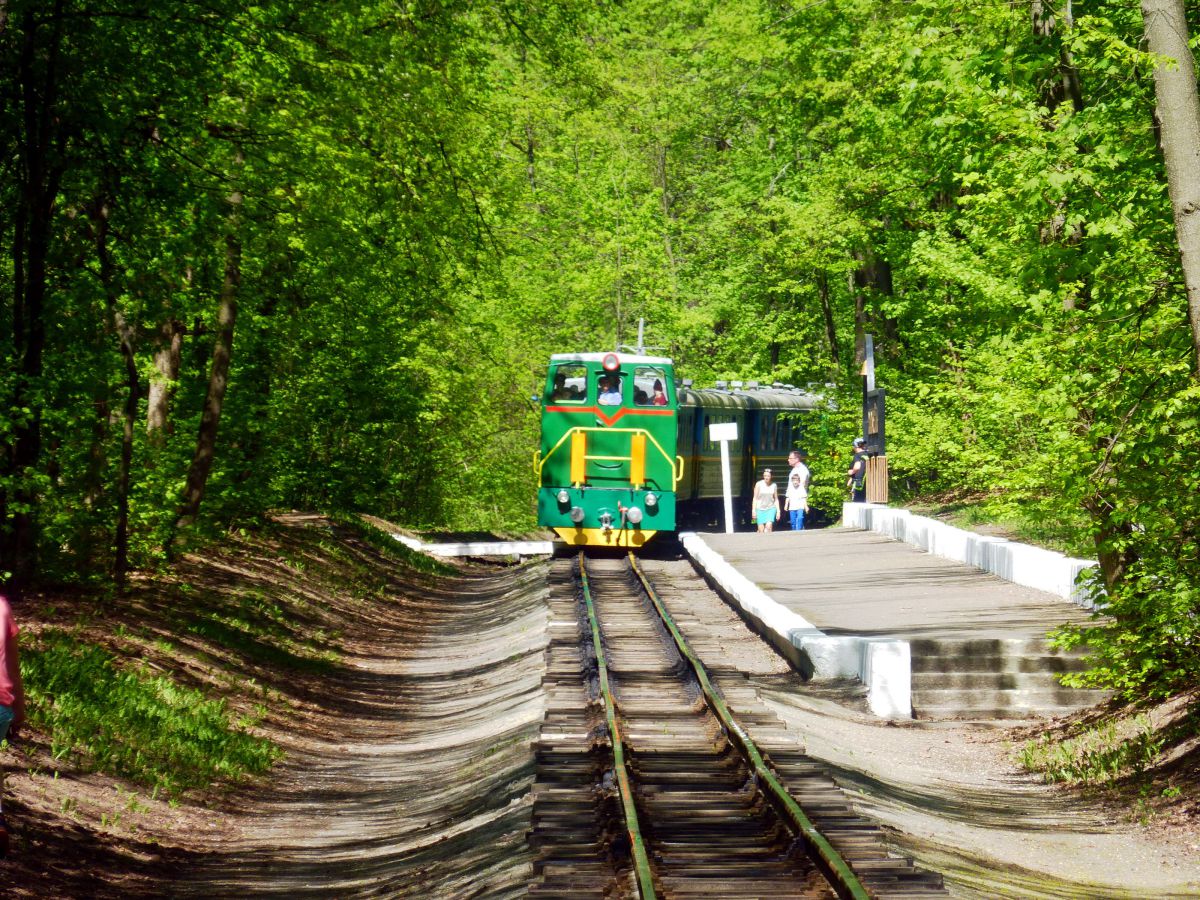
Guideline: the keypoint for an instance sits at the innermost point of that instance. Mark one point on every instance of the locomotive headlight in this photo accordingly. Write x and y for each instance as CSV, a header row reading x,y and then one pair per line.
x,y
563,496
633,515
576,514
652,500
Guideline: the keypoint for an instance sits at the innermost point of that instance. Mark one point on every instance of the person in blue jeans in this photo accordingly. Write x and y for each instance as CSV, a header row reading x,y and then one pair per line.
x,y
12,695
795,501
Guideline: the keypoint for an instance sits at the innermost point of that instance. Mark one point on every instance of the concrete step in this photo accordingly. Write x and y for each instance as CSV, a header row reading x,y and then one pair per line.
x,y
982,715
1034,700
971,647
994,681
1005,678
992,662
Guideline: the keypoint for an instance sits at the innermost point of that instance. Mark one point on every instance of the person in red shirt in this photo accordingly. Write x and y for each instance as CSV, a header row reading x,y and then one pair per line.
x,y
660,396
12,695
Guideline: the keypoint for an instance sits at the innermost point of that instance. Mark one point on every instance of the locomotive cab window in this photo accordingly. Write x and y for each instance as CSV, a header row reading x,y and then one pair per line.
x,y
568,384
608,388
650,387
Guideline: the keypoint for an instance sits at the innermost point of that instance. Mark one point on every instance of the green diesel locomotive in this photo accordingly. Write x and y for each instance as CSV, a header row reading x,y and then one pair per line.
x,y
625,450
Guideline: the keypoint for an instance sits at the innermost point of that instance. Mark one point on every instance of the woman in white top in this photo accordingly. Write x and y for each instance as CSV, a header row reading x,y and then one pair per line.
x,y
765,506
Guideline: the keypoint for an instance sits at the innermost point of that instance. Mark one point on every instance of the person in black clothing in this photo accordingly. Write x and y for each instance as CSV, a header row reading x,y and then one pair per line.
x,y
856,475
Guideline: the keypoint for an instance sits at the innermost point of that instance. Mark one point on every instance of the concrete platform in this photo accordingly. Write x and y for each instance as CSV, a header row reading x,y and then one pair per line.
x,y
507,549
853,601
847,581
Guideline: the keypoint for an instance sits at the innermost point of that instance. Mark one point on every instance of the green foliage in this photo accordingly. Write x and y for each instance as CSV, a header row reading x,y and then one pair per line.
x,y
1146,643
435,197
389,546
1096,755
129,722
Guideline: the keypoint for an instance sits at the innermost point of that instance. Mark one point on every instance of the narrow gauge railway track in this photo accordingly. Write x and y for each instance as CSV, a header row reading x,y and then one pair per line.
x,y
646,785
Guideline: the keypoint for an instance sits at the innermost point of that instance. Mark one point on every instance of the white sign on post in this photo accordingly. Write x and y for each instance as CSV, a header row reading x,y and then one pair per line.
x,y
723,433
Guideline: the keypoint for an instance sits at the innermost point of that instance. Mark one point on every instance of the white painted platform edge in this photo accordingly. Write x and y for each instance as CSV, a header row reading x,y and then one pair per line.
x,y
1024,564
479,548
884,666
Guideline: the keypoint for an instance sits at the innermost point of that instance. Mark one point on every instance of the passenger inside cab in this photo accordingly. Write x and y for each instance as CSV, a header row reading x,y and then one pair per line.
x,y
568,385
609,388
649,388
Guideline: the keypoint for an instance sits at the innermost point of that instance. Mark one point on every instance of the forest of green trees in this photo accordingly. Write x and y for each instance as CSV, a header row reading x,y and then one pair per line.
x,y
315,255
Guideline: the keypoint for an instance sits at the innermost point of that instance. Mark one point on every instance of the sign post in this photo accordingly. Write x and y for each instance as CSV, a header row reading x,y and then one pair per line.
x,y
873,428
723,433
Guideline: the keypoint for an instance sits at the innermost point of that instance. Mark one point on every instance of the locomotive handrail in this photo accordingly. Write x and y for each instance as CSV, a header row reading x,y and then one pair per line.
x,y
676,464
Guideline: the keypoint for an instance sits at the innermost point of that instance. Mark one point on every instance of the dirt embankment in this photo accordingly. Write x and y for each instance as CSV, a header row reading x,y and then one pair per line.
x,y
405,704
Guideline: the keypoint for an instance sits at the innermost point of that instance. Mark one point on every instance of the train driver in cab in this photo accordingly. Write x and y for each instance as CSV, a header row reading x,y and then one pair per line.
x,y
610,391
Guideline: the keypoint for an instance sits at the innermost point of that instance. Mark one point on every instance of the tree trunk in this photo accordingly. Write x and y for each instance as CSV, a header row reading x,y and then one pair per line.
x,y
218,378
1044,25
40,170
858,293
126,339
1179,119
167,355
830,329
1113,563
665,205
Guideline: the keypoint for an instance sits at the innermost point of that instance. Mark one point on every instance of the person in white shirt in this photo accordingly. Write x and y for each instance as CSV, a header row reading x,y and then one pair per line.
x,y
610,391
795,501
799,468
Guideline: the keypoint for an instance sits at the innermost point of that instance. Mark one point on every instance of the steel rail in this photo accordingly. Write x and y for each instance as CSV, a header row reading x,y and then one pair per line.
x,y
641,860
835,867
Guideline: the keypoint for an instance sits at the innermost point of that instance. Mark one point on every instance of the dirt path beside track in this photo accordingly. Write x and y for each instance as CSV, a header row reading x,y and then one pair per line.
x,y
407,765
421,785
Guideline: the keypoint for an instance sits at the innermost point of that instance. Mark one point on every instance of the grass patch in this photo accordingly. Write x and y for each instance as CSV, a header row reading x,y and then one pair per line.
x,y
258,627
389,546
231,633
132,723
1099,754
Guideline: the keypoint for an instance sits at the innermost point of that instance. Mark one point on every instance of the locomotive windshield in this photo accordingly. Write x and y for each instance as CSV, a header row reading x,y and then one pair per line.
x,y
569,384
608,389
650,387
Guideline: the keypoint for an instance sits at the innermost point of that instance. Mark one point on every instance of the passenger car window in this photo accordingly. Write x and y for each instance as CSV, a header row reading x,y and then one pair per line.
x,y
709,443
568,384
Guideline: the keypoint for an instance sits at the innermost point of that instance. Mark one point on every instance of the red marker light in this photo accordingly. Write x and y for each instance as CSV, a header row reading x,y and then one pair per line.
x,y
611,363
